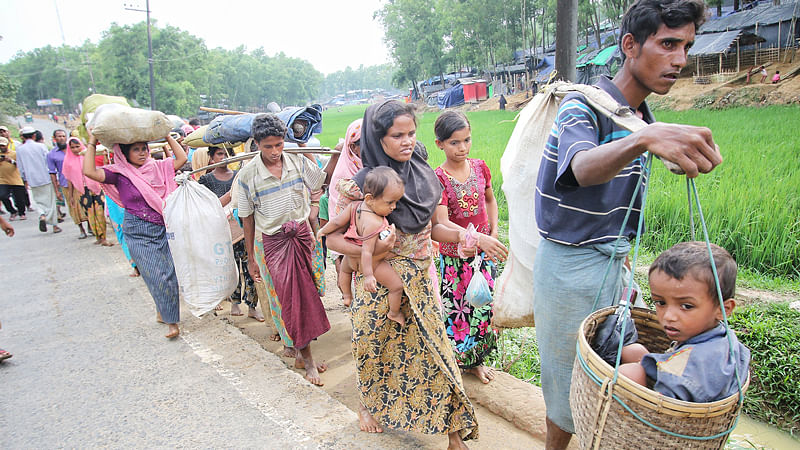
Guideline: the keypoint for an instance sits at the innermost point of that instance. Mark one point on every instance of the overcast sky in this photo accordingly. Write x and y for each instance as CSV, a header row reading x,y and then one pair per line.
x,y
330,34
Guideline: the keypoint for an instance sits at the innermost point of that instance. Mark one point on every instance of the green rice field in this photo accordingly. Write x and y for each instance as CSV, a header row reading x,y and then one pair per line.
x,y
751,202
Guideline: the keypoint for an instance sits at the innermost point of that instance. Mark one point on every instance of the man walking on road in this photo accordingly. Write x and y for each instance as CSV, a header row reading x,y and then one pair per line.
x,y
11,185
32,164
589,172
55,162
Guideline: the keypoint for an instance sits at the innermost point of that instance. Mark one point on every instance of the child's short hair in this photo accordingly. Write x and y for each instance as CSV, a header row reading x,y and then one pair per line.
x,y
266,125
692,258
378,179
448,123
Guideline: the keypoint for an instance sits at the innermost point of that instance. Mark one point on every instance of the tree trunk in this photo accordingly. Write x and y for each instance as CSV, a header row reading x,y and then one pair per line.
x,y
596,23
735,5
566,38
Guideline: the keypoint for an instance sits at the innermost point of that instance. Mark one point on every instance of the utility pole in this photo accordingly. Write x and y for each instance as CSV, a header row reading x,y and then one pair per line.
x,y
149,52
63,59
566,38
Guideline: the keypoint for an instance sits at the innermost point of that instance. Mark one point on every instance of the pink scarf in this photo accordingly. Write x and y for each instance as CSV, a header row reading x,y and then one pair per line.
x,y
73,170
347,166
154,179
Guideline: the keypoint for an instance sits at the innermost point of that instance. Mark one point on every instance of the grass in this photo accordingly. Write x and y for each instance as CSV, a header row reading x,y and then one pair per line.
x,y
751,202
772,333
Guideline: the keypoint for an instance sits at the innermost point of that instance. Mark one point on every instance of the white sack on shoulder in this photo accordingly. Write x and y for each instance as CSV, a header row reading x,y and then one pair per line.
x,y
200,241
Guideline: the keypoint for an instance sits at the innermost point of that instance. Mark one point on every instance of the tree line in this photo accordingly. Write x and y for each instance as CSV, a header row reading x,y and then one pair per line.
x,y
433,37
187,73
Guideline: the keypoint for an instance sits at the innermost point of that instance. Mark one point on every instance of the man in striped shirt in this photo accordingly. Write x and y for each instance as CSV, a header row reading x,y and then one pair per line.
x,y
589,172
274,204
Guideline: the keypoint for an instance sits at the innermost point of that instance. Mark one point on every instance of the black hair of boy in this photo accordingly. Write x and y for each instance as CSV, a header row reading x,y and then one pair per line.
x,y
212,150
266,125
645,17
448,123
379,178
387,112
691,258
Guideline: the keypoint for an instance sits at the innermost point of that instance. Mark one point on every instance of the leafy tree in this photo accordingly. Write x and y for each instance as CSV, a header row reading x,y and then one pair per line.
x,y
8,95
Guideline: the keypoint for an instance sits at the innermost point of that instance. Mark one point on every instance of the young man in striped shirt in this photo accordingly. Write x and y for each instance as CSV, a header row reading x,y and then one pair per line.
x,y
274,204
589,171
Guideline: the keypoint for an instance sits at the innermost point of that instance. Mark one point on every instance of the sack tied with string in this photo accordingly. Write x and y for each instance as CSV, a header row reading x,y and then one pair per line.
x,y
200,241
514,295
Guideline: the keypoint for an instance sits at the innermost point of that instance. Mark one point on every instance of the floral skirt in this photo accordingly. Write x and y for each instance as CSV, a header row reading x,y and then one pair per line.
x,y
408,377
469,328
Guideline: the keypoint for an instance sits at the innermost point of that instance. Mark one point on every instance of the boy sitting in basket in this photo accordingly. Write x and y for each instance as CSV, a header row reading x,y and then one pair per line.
x,y
698,366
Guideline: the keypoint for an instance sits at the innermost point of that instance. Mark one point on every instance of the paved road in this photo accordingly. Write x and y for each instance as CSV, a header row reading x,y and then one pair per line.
x,y
91,367
47,127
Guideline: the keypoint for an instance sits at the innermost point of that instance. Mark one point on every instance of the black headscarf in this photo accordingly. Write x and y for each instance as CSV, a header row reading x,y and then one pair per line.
x,y
423,191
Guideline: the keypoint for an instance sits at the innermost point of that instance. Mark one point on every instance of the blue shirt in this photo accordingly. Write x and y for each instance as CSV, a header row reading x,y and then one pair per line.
x,y
701,369
570,214
55,162
32,163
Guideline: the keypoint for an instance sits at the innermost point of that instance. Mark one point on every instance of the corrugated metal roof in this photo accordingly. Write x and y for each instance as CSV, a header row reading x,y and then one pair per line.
x,y
713,43
763,14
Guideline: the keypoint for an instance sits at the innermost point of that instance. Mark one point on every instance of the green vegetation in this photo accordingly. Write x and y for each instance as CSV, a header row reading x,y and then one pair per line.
x,y
772,333
750,202
184,68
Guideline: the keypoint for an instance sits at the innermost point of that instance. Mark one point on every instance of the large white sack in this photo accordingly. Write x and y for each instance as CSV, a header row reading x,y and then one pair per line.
x,y
113,123
514,294
200,241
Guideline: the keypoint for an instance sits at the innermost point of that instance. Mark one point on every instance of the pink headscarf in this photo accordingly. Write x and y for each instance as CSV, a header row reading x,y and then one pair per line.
x,y
347,166
154,179
73,169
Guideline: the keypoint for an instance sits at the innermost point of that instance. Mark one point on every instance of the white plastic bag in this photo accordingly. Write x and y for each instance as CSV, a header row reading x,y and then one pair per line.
x,y
200,241
478,293
113,123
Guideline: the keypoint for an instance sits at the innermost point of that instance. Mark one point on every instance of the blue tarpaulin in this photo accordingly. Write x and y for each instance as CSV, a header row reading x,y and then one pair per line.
x,y
450,97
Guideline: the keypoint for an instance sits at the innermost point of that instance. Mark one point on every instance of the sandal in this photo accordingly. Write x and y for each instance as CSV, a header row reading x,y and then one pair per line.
x,y
4,354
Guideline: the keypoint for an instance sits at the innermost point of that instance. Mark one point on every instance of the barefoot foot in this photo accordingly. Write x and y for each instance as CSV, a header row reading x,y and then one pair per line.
x,y
158,317
455,442
300,364
347,300
135,273
289,352
275,337
235,310
484,373
397,317
366,422
255,313
174,331
105,243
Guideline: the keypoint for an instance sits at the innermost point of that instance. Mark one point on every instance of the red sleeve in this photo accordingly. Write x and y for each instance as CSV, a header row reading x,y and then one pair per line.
x,y
443,181
486,174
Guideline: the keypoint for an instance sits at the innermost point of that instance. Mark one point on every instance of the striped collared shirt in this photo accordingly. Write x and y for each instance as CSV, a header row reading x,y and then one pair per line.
x,y
274,200
574,215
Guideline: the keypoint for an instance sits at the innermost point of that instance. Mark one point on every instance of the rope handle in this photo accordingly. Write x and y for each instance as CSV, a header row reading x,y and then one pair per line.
x,y
693,200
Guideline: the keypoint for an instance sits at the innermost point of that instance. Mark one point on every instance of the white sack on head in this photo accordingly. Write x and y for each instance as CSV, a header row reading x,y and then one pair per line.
x,y
113,123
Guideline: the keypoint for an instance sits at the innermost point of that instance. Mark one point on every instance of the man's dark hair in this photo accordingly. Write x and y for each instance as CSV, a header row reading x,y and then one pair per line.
x,y
644,17
38,136
29,135
61,130
266,125
691,258
194,123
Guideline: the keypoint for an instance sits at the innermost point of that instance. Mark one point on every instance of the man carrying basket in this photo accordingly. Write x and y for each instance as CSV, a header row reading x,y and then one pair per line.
x,y
590,170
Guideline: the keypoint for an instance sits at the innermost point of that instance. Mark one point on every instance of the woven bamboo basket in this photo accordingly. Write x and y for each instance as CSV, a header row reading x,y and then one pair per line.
x,y
602,422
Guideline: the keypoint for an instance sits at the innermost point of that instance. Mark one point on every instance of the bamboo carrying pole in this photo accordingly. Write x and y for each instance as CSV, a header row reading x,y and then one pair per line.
x,y
221,111
250,155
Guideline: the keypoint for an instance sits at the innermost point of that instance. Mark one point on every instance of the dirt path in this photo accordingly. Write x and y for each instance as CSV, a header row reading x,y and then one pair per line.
x,y
340,380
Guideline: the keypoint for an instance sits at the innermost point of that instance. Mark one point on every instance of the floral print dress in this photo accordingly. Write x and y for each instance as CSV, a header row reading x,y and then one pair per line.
x,y
469,328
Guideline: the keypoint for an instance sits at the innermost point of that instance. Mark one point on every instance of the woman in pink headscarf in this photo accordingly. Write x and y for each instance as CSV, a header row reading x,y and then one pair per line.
x,y
349,164
84,196
140,184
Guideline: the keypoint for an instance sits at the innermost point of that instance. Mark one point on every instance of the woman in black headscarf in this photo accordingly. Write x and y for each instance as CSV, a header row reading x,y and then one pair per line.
x,y
407,376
